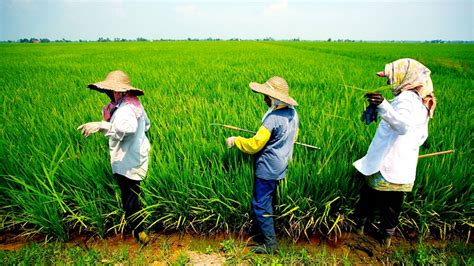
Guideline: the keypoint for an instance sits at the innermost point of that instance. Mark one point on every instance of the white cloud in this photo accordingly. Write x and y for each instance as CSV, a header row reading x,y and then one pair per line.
x,y
188,9
276,7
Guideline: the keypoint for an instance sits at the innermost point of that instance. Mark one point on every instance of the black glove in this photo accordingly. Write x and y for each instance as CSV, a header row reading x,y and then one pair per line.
x,y
370,114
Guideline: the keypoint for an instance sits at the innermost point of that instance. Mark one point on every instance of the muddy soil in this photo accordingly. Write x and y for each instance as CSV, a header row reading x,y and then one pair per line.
x,y
207,250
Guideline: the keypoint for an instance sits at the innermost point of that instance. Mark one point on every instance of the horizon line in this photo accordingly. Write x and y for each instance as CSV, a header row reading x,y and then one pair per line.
x,y
296,39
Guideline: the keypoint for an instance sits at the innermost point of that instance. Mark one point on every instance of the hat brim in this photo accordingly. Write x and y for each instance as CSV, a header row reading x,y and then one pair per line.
x,y
104,86
264,89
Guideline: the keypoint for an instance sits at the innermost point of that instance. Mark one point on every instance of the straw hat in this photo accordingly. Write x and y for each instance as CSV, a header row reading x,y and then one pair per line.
x,y
275,87
115,81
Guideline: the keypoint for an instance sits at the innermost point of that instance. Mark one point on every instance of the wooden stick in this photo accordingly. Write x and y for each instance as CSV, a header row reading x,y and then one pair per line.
x,y
253,132
436,153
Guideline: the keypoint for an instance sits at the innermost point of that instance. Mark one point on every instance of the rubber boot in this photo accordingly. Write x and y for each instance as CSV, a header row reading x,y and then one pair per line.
x,y
386,237
359,229
265,249
269,247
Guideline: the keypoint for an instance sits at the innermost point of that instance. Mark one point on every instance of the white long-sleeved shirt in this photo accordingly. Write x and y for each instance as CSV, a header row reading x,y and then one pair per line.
x,y
395,146
128,144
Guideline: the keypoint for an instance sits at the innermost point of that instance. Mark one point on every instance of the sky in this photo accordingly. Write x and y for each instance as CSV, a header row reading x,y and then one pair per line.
x,y
279,19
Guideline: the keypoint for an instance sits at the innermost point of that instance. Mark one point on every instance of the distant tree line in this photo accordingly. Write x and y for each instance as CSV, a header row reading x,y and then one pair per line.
x,y
101,39
267,39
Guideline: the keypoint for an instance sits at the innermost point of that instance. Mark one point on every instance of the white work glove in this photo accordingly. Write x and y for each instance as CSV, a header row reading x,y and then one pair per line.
x,y
230,141
92,127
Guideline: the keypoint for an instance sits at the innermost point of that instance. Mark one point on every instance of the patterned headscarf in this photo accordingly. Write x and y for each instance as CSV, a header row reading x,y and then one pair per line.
x,y
409,74
130,99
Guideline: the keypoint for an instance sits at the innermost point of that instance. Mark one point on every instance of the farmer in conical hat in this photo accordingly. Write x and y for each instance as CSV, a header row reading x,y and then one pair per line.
x,y
272,147
389,166
124,123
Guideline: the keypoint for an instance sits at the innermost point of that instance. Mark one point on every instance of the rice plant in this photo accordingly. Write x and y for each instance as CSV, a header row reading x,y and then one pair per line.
x,y
54,181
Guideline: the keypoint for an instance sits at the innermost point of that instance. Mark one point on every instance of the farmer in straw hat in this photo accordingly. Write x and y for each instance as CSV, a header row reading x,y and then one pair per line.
x,y
389,166
272,146
124,123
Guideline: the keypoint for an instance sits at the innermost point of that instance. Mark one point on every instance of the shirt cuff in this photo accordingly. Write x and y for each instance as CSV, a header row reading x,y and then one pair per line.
x,y
105,126
383,107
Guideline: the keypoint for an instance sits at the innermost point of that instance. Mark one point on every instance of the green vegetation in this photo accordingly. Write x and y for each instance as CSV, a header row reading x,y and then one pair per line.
x,y
55,181
59,253
114,251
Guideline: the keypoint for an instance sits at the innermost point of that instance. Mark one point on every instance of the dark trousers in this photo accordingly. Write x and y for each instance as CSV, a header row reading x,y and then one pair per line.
x,y
130,200
387,203
262,206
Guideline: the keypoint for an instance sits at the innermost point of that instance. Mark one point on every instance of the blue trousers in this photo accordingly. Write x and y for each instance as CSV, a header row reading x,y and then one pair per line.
x,y
262,207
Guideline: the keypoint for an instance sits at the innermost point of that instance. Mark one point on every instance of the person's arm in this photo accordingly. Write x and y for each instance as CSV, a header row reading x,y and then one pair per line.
x,y
399,119
147,121
90,128
254,144
125,123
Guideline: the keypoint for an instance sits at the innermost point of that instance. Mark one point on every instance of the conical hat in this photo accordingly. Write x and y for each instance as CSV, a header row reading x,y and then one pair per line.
x,y
275,87
115,81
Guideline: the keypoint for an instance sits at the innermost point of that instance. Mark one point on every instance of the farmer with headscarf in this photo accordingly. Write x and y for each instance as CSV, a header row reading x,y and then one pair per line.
x,y
272,147
124,123
390,163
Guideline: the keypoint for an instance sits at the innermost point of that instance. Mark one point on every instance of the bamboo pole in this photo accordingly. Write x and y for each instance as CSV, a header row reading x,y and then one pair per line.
x,y
317,148
435,154
253,132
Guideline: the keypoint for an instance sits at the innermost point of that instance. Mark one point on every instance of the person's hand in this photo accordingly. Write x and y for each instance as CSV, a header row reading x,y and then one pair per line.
x,y
92,127
230,141
89,128
374,98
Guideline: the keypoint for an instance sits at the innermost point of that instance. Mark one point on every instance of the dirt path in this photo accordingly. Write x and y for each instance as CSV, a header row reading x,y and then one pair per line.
x,y
217,249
